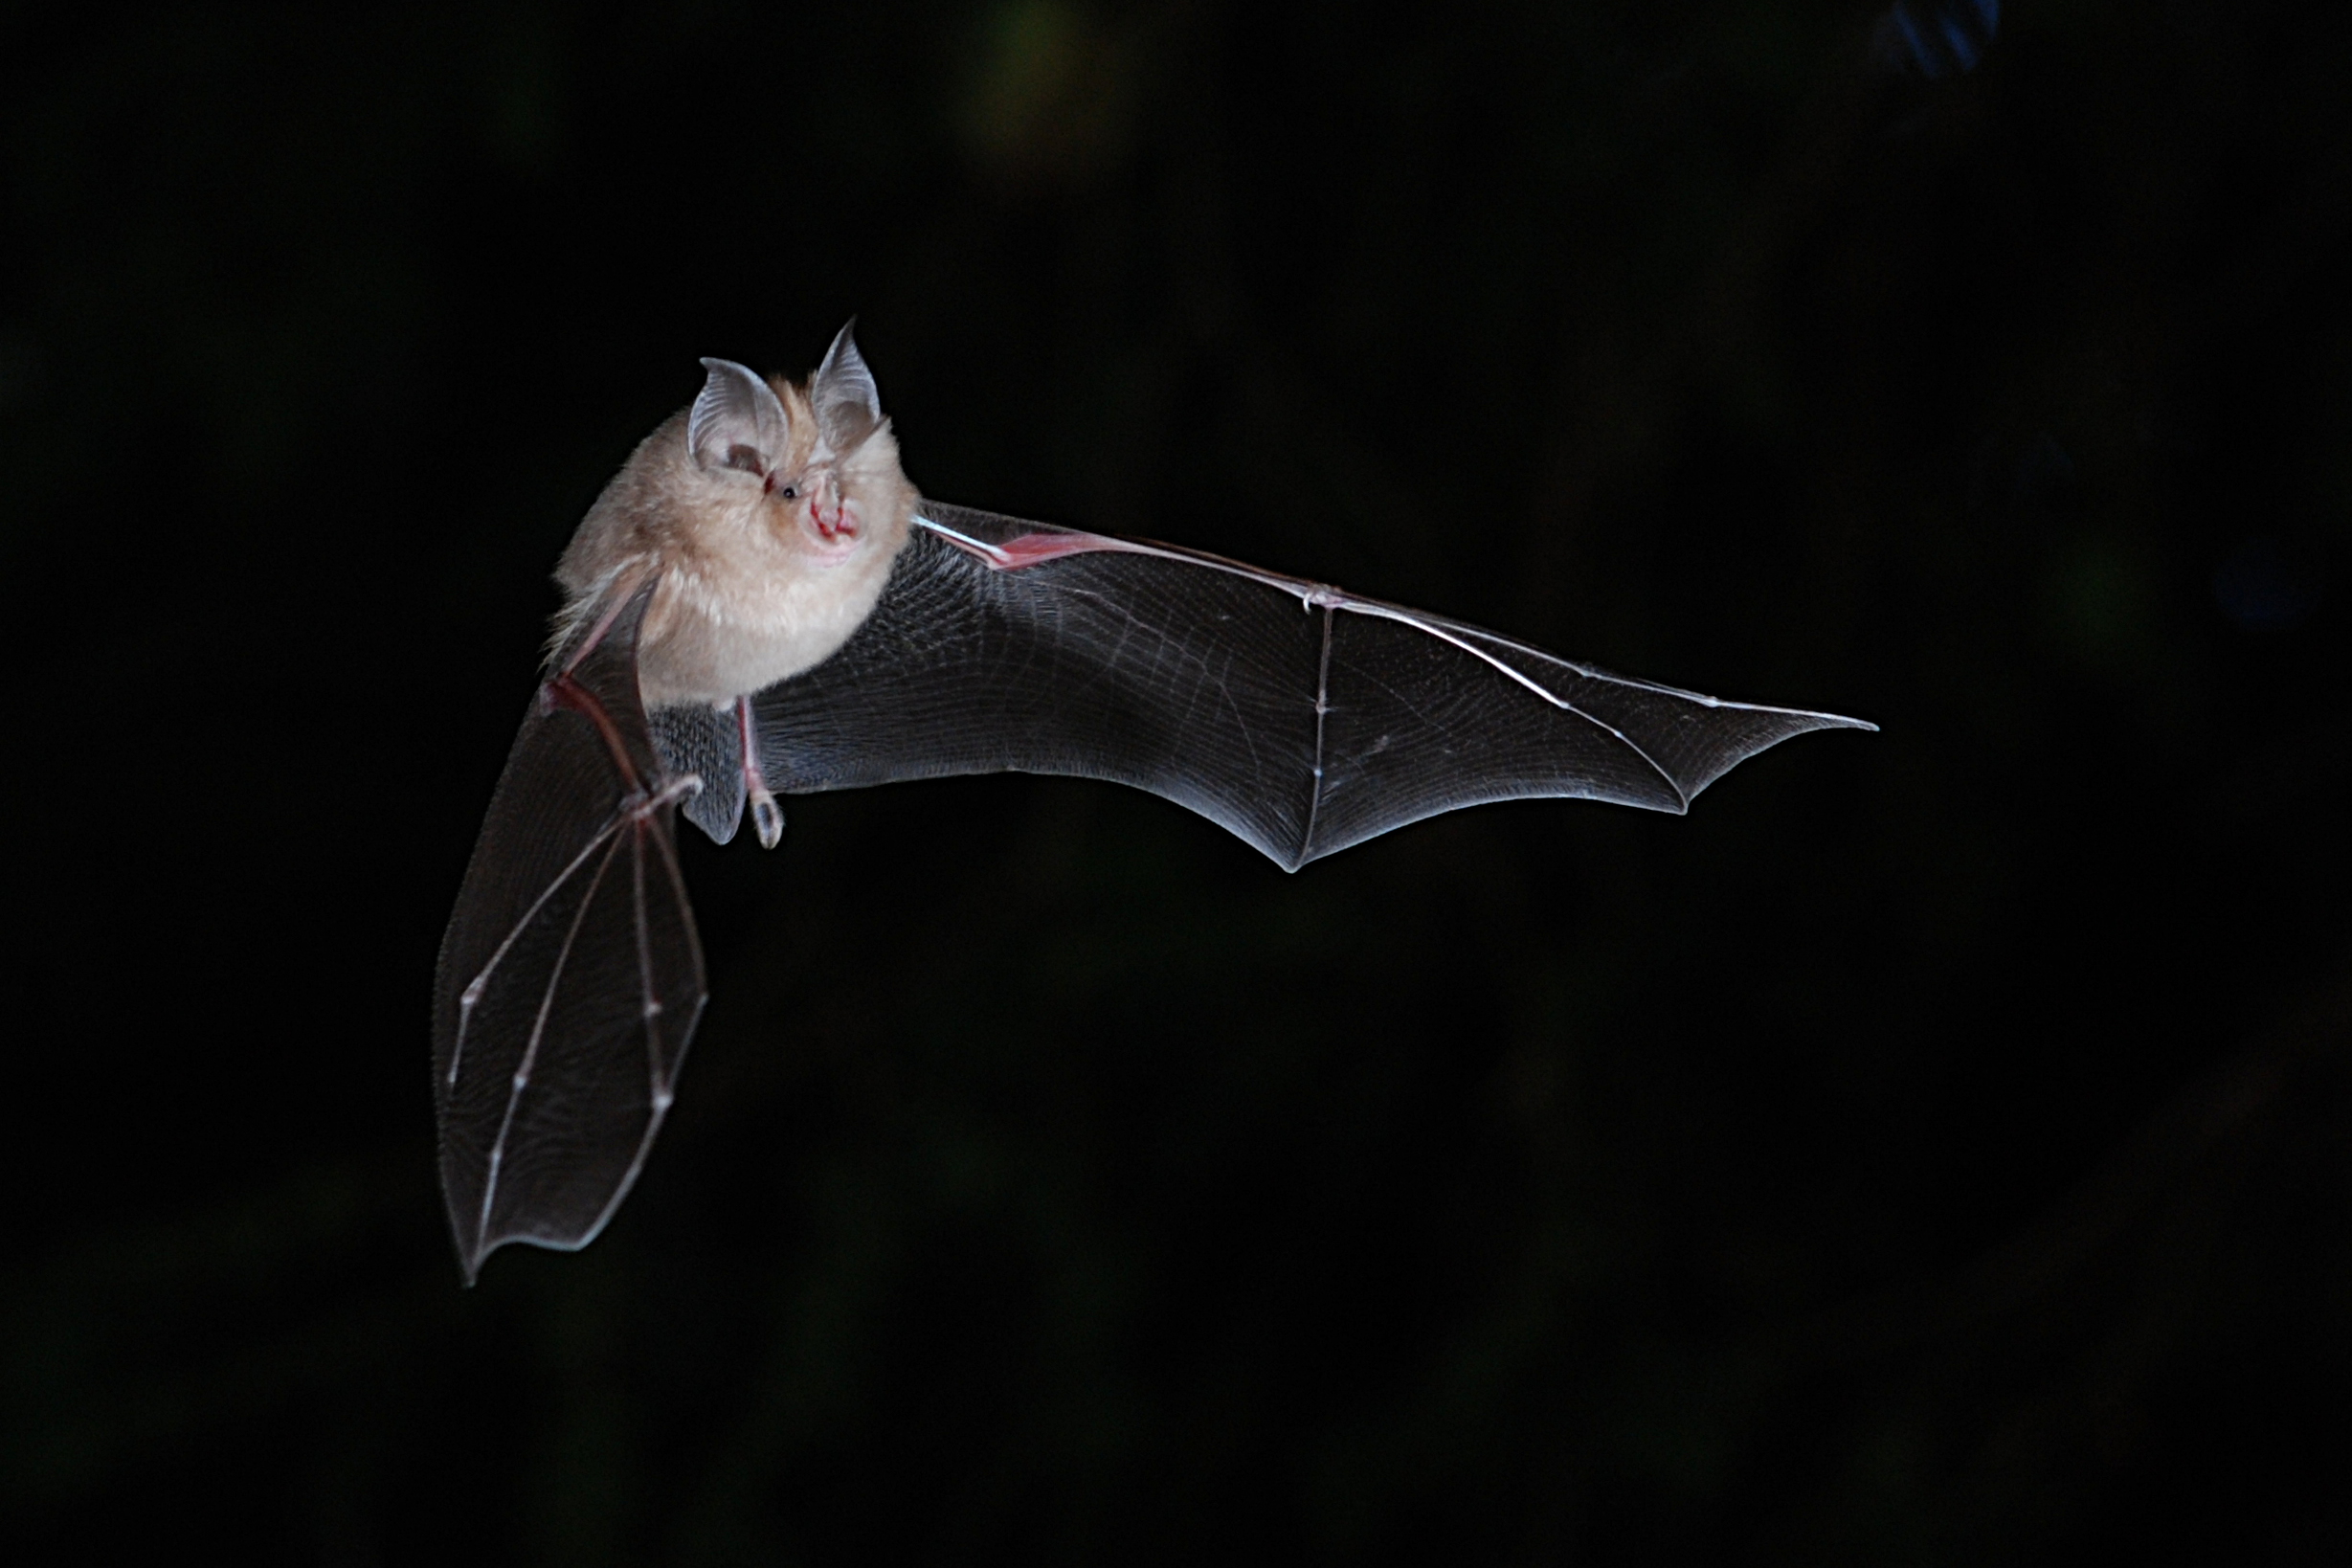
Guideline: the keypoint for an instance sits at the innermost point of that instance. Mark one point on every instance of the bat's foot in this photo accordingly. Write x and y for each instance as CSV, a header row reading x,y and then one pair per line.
x,y
766,817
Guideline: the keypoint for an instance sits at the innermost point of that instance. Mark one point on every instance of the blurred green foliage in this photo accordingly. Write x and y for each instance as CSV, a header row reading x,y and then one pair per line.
x,y
1934,1149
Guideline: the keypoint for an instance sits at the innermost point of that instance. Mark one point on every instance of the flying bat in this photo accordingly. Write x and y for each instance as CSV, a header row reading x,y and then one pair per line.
x,y
760,603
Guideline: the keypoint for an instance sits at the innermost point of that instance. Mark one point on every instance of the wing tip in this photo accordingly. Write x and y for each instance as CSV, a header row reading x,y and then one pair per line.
x,y
470,1260
1819,720
473,1254
1839,721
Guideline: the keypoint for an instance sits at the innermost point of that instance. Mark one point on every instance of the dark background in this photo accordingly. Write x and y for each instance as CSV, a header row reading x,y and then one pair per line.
x,y
1937,1147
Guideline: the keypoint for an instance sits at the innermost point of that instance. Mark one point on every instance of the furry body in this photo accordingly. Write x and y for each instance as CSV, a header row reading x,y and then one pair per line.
x,y
770,514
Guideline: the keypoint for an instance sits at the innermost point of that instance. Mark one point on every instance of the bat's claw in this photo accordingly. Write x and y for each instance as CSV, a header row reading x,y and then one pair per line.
x,y
766,817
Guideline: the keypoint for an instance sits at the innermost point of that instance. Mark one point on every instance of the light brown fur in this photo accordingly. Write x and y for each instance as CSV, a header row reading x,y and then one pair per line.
x,y
750,591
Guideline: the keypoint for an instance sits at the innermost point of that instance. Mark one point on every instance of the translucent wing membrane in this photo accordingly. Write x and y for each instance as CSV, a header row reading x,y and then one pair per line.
x,y
571,978
705,742
1302,718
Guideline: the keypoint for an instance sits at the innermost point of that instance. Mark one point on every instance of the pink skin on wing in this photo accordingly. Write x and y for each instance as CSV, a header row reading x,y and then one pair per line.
x,y
1030,549
1035,548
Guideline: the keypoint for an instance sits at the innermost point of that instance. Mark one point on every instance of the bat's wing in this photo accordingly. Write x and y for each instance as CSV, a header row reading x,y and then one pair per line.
x,y
571,977
698,740
1302,718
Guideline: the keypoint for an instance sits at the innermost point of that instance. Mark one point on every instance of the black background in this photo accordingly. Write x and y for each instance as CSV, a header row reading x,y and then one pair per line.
x,y
1933,1149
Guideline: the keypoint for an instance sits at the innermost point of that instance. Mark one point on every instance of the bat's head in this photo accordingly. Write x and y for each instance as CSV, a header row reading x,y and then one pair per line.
x,y
816,463
772,513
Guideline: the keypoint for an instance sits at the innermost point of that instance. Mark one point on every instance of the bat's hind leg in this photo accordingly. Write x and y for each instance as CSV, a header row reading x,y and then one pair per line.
x,y
767,816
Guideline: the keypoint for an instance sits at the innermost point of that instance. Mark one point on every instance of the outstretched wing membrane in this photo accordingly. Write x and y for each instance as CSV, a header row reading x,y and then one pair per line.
x,y
571,977
1302,718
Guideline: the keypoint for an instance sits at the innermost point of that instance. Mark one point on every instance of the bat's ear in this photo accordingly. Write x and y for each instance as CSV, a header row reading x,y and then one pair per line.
x,y
848,406
738,421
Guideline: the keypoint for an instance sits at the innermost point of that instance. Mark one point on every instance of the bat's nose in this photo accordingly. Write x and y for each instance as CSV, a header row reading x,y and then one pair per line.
x,y
831,519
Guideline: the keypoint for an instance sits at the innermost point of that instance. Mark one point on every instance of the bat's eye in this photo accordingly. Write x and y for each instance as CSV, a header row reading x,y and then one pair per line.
x,y
746,459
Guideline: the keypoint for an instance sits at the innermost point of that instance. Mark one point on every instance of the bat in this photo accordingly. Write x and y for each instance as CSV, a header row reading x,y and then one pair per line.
x,y
760,602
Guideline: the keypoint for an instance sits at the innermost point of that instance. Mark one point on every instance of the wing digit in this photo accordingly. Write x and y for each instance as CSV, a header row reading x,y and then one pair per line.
x,y
1005,646
571,977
